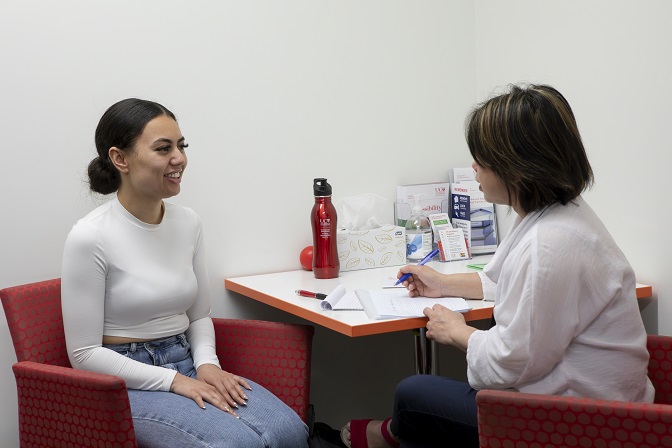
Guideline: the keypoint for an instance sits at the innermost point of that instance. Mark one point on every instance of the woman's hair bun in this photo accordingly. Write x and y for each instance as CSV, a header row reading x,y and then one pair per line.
x,y
103,177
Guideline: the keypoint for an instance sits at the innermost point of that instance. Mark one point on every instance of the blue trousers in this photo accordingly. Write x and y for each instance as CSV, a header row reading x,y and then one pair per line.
x,y
435,411
165,419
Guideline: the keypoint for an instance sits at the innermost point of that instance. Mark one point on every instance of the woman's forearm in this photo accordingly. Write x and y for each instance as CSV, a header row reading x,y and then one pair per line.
x,y
468,286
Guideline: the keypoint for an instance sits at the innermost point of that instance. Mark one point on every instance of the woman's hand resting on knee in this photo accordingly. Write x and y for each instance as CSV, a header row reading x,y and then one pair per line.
x,y
215,386
232,387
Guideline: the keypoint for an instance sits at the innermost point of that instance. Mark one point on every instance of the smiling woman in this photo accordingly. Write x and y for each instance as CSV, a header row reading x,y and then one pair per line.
x,y
145,170
152,171
136,297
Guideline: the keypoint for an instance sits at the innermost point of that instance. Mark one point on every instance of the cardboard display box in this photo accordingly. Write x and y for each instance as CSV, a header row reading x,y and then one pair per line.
x,y
366,249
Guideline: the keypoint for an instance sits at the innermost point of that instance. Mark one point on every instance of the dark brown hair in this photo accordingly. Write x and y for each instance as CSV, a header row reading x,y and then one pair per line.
x,y
120,126
529,138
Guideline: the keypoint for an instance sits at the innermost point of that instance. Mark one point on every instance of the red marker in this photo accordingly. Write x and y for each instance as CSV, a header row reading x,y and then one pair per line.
x,y
314,295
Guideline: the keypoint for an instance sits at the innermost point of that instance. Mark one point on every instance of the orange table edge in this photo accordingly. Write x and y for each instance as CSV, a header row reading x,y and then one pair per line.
x,y
644,291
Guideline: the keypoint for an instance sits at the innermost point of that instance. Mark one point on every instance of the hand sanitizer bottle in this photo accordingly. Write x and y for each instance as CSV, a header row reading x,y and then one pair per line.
x,y
418,233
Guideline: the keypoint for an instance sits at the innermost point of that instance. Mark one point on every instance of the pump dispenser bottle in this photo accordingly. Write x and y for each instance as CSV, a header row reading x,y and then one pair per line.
x,y
418,233
323,219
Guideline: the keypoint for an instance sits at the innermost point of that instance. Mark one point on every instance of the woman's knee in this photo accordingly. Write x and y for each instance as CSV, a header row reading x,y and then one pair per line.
x,y
412,386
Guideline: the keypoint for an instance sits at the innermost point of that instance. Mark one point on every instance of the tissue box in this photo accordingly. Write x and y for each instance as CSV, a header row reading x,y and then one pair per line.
x,y
376,248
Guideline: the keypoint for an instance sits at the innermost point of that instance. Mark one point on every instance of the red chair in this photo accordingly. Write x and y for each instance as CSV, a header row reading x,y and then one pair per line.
x,y
61,406
521,420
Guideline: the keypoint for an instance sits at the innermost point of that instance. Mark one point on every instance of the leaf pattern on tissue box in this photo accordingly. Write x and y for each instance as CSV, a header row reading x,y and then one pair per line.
x,y
365,249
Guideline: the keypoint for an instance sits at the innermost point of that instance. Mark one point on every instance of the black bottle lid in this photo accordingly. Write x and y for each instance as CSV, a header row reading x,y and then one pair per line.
x,y
321,187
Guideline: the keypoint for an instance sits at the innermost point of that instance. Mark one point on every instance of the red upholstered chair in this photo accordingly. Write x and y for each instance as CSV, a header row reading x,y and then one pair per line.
x,y
60,406
512,419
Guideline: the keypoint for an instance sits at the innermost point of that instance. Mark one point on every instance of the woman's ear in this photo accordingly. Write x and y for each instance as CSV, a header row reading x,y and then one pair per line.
x,y
118,159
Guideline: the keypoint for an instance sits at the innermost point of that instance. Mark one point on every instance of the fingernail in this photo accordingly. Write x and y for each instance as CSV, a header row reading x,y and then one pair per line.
x,y
245,397
235,406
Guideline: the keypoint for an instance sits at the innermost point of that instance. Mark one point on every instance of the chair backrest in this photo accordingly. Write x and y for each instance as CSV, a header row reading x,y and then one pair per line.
x,y
35,322
660,367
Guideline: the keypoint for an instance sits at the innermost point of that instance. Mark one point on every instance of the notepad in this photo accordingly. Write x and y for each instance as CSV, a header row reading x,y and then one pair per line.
x,y
341,300
393,303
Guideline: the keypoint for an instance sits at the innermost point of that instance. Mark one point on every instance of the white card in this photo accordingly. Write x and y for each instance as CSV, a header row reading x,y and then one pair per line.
x,y
453,244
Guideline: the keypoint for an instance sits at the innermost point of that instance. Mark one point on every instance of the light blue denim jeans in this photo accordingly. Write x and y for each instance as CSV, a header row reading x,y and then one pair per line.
x,y
166,419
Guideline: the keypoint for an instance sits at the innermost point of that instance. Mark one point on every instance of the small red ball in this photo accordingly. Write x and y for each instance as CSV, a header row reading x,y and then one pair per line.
x,y
306,258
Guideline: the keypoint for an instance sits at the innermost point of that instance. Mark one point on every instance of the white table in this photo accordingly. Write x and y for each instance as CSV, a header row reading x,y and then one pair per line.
x,y
277,290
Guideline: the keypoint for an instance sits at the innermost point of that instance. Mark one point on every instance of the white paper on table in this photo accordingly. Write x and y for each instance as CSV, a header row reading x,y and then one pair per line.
x,y
341,300
390,303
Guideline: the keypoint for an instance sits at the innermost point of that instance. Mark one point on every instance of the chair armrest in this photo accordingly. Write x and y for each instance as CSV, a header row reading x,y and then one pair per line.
x,y
506,417
274,355
63,404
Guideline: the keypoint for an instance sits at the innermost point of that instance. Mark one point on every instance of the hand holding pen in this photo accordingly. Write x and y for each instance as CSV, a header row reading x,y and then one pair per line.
x,y
429,256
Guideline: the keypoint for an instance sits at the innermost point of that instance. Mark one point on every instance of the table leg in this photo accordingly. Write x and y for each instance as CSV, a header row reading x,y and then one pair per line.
x,y
426,354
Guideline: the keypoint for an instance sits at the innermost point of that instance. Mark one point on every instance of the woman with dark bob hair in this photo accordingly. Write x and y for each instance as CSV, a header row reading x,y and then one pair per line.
x,y
565,306
136,297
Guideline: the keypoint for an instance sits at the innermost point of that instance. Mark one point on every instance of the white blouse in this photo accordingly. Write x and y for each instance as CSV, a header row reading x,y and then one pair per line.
x,y
568,322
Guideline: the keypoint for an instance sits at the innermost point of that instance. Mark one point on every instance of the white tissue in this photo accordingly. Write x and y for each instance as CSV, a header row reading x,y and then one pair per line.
x,y
363,212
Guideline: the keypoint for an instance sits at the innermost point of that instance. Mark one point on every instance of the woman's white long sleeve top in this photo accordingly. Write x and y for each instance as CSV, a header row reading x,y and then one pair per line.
x,y
123,277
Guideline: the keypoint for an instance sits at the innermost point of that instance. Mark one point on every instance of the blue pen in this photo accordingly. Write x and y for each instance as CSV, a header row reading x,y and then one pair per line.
x,y
429,256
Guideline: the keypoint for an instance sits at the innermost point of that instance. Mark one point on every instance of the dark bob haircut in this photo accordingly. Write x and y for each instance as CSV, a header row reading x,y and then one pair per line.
x,y
529,138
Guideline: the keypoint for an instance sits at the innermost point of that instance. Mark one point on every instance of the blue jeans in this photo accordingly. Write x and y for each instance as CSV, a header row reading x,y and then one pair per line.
x,y
435,411
166,419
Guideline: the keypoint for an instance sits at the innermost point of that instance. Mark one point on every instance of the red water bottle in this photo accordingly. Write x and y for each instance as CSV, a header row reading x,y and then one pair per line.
x,y
323,217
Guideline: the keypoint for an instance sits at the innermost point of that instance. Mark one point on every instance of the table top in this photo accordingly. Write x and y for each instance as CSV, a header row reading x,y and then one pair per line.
x,y
278,291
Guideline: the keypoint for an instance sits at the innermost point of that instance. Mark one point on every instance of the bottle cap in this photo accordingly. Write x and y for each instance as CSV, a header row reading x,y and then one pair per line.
x,y
321,187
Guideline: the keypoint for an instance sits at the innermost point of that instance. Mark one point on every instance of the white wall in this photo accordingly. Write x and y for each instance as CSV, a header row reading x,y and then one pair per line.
x,y
269,96
612,60
272,94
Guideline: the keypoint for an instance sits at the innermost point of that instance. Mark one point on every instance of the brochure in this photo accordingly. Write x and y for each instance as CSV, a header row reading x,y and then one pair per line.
x,y
453,245
439,221
468,203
